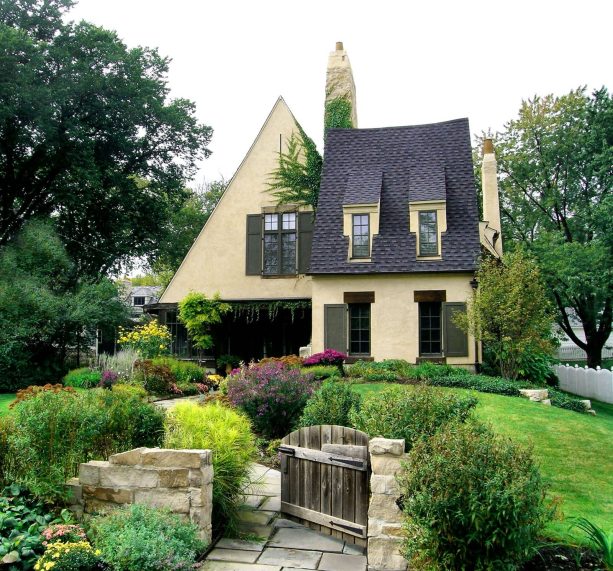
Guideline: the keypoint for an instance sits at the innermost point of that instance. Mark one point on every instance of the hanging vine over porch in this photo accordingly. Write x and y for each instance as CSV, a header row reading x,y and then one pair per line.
x,y
251,310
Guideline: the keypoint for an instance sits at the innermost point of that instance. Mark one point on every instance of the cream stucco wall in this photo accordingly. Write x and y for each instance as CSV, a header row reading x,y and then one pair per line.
x,y
216,261
394,314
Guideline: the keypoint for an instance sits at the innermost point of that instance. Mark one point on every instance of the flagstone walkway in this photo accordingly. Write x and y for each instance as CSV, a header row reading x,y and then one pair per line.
x,y
281,544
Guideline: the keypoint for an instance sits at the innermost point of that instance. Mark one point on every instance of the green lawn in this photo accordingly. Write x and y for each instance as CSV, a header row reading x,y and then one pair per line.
x,y
573,450
5,400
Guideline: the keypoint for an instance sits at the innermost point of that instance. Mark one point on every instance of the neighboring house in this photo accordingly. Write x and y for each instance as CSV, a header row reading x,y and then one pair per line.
x,y
137,297
568,351
389,260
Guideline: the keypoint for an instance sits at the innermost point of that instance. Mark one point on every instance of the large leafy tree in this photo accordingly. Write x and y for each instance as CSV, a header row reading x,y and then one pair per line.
x,y
556,165
89,136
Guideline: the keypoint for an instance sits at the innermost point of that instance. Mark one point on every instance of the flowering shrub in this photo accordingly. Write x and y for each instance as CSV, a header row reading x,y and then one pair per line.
x,y
156,379
272,395
63,532
70,556
108,379
34,390
291,361
149,341
328,357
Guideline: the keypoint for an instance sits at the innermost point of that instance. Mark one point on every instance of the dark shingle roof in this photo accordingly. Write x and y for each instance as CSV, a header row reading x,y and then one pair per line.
x,y
363,187
421,162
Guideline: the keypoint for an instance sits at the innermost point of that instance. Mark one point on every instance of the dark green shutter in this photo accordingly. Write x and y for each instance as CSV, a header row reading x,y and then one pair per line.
x,y
335,327
305,240
456,340
254,245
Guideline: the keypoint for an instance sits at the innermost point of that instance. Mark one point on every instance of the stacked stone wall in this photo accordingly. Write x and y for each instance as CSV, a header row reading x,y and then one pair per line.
x,y
180,480
384,514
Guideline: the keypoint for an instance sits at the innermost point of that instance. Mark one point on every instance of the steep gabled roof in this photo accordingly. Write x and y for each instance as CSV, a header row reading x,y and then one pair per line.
x,y
417,163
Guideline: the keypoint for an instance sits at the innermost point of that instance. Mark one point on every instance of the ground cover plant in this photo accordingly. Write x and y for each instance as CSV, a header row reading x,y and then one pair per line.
x,y
412,414
228,433
568,447
51,433
272,395
472,499
147,539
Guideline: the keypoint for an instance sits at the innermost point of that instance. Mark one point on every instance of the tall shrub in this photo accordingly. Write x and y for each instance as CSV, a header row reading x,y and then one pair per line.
x,y
472,500
228,434
52,433
272,395
412,413
330,404
149,340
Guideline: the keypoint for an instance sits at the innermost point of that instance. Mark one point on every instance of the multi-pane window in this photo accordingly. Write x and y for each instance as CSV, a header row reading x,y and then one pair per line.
x,y
430,328
361,236
428,233
359,328
280,244
139,300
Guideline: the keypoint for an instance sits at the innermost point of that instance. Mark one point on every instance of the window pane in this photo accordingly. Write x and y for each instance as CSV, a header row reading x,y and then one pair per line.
x,y
288,253
271,254
289,221
428,234
361,236
359,324
430,328
271,222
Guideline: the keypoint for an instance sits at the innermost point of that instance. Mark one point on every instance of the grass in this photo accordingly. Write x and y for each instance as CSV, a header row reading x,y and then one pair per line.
x,y
572,449
5,400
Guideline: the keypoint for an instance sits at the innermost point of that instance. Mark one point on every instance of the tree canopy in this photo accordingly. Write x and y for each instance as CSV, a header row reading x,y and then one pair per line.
x,y
89,136
556,166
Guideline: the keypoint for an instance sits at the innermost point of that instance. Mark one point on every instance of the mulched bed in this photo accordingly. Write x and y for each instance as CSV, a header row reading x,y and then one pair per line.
x,y
564,558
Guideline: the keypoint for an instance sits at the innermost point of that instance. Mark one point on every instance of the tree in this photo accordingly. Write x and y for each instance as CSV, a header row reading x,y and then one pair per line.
x,y
89,136
511,314
556,165
183,227
43,313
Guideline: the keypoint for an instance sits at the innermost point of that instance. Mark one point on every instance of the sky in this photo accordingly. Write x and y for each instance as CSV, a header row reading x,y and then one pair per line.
x,y
413,62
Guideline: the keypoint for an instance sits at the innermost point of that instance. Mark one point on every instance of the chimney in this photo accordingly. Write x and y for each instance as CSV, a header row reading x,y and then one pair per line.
x,y
489,185
339,80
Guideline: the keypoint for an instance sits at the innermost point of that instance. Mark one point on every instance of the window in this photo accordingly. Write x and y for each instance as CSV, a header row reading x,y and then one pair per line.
x,y
361,236
138,300
359,328
430,328
279,244
428,233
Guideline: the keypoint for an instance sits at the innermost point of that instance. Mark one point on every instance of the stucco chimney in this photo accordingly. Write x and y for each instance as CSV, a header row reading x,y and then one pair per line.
x,y
489,185
339,80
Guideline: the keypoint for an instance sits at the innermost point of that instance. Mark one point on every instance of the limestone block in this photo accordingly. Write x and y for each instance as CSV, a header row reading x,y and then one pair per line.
x,y
98,506
381,484
393,530
174,499
207,474
176,458
546,402
115,495
384,508
587,404
89,474
127,477
386,465
535,395
129,458
173,477
380,446
195,478
74,491
384,554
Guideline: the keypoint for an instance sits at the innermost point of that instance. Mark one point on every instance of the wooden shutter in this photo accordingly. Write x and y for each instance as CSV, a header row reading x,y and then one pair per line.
x,y
254,245
456,340
305,240
335,327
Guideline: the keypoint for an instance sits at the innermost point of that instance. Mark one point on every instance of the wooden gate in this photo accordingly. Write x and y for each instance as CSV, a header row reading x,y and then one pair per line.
x,y
324,480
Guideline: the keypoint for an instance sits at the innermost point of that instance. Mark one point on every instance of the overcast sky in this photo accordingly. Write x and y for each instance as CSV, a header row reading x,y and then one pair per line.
x,y
413,62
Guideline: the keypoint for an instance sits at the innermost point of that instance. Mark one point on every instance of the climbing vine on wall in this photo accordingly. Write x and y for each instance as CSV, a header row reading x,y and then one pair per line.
x,y
337,114
251,310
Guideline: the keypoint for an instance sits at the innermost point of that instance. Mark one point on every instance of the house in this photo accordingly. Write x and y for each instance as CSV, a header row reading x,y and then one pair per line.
x,y
380,271
138,297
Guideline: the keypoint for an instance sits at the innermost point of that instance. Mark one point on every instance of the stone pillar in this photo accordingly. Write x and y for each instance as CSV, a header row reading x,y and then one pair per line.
x,y
384,516
180,480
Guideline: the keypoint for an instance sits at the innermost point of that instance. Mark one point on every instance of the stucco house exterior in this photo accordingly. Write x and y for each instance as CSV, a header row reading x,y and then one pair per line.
x,y
379,271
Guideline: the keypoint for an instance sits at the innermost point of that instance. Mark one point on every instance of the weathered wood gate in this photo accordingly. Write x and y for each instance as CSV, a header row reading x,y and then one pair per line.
x,y
324,480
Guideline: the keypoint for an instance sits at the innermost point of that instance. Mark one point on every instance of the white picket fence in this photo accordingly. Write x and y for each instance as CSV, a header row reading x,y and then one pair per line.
x,y
595,384
574,353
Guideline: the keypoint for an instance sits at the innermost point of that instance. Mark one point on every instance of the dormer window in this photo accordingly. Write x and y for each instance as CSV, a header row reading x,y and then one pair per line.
x,y
428,233
138,300
360,236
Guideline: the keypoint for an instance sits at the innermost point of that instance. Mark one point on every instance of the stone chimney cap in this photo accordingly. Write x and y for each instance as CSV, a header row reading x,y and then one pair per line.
x,y
488,146
339,46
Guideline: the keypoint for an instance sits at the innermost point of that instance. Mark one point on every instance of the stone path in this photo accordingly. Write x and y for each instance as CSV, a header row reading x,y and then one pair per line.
x,y
169,403
281,544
